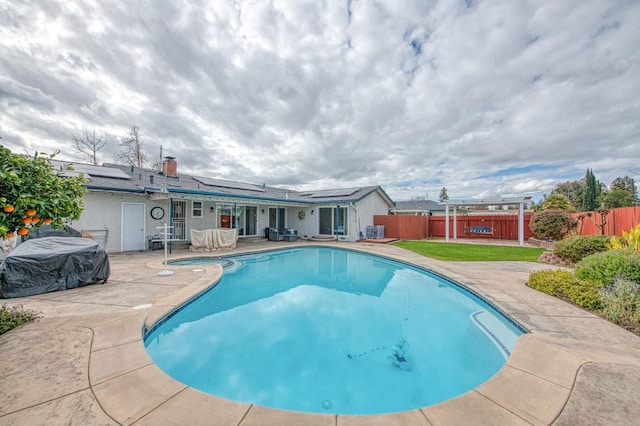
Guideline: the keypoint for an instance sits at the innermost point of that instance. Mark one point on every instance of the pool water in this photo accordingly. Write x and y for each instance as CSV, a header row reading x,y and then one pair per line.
x,y
332,331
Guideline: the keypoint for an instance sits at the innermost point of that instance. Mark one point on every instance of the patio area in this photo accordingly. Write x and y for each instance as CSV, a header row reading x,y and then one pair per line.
x,y
84,362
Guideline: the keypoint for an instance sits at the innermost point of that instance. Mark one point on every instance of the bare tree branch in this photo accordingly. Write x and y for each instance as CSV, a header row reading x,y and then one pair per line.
x,y
131,153
88,142
156,163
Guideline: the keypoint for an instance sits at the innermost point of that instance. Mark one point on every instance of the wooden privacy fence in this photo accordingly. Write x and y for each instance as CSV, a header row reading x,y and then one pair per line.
x,y
616,221
407,227
500,227
404,227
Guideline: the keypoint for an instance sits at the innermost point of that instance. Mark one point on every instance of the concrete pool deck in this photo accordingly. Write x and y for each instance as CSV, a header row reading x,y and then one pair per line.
x,y
84,362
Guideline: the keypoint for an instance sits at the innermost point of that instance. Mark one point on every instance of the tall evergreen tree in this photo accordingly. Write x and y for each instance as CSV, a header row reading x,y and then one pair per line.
x,y
591,192
443,194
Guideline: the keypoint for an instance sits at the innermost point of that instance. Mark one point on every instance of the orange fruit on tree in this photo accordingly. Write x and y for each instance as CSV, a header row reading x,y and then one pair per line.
x,y
47,221
31,212
23,231
26,220
35,219
8,209
9,235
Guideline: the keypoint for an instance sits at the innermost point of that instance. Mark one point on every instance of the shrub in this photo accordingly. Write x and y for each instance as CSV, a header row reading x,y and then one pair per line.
x,y
15,316
553,224
566,285
629,241
557,202
621,301
578,247
604,267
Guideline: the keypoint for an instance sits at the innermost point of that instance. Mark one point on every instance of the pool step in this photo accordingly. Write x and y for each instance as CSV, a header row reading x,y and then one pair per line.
x,y
502,337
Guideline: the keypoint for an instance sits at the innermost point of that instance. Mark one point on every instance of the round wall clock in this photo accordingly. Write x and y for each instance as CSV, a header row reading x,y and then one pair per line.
x,y
157,213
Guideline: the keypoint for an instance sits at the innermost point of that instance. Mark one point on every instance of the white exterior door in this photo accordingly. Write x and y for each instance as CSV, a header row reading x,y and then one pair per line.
x,y
133,226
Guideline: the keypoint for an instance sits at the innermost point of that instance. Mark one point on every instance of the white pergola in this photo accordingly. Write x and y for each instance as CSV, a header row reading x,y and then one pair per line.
x,y
499,201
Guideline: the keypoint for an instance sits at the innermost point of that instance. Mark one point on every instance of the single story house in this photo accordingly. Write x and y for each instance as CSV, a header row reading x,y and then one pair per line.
x,y
126,206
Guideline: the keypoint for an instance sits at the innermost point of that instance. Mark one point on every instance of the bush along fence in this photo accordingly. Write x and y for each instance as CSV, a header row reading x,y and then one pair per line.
x,y
606,278
611,222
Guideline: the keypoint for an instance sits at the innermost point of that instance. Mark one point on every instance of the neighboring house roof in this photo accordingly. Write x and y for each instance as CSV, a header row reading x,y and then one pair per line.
x,y
418,205
115,177
493,201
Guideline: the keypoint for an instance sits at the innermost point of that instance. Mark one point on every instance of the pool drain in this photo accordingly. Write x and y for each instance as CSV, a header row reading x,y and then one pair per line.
x,y
327,404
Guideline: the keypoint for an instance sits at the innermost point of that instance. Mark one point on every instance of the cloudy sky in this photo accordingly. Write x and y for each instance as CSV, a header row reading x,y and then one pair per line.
x,y
482,97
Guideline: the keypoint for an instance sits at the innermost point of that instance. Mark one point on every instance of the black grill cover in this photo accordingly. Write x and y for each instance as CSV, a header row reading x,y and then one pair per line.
x,y
48,231
48,264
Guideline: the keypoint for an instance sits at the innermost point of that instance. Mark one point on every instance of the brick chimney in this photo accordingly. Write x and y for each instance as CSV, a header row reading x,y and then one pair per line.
x,y
170,167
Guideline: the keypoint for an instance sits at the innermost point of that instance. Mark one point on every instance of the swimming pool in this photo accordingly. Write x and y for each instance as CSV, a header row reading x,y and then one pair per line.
x,y
330,330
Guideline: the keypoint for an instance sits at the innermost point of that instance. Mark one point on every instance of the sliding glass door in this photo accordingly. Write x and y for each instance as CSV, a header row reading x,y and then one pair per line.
x,y
225,216
325,226
277,217
246,220
242,218
333,220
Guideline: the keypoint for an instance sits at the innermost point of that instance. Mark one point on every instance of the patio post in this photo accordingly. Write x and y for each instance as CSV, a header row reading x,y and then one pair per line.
x,y
446,222
455,222
521,223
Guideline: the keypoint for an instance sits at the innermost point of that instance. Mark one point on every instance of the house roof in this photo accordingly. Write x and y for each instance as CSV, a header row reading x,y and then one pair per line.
x,y
120,178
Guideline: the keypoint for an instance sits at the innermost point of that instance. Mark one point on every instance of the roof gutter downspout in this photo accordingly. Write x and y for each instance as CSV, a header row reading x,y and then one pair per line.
x,y
171,224
335,221
356,221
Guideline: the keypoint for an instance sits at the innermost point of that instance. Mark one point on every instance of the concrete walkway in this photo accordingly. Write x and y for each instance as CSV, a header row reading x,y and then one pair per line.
x,y
84,363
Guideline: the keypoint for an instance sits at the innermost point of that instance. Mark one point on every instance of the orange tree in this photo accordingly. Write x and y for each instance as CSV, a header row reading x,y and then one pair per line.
x,y
33,194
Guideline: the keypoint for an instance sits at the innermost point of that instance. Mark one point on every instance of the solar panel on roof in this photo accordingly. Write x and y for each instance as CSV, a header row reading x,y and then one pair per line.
x,y
72,173
110,172
334,193
229,184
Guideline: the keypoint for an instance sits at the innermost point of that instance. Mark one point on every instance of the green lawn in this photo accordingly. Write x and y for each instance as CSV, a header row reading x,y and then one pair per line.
x,y
471,252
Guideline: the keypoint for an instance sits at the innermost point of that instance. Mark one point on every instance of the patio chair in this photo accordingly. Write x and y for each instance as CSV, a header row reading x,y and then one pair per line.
x,y
290,234
275,235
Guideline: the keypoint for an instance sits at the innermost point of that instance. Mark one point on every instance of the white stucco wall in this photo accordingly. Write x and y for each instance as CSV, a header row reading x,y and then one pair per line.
x,y
103,212
305,227
368,207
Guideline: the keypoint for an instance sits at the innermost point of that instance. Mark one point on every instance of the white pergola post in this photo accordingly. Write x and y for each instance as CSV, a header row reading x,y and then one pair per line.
x,y
521,224
455,222
446,223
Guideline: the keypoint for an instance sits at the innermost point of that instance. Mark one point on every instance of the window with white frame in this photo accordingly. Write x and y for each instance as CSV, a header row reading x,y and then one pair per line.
x,y
196,209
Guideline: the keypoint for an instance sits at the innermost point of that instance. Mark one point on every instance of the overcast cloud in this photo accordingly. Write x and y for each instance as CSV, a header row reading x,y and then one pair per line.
x,y
484,98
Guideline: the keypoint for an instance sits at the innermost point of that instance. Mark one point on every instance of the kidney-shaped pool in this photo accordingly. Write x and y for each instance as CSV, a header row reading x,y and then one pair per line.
x,y
329,330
